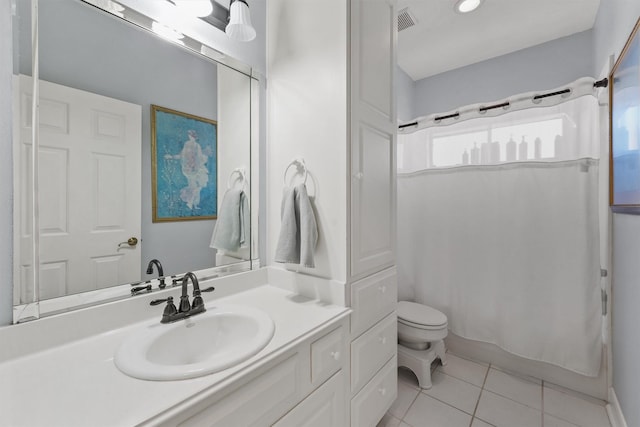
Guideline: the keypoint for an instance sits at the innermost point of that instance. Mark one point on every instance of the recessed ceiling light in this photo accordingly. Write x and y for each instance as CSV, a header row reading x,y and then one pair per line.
x,y
466,6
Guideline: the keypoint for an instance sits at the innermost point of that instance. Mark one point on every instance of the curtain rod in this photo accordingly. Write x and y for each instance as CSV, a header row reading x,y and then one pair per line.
x,y
600,83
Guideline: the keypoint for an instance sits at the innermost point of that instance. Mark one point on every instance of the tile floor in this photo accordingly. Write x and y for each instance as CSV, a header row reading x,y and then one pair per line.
x,y
470,394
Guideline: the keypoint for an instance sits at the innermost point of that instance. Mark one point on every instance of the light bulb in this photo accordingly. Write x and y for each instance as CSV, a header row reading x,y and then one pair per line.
x,y
466,6
239,27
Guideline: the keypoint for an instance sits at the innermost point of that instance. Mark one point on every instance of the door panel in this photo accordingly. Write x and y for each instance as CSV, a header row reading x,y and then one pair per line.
x,y
90,159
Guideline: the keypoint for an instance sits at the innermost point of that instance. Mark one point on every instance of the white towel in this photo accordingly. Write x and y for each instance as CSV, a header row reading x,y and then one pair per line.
x,y
299,230
230,232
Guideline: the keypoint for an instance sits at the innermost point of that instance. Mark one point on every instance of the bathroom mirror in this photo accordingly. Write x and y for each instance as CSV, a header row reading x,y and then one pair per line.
x,y
110,91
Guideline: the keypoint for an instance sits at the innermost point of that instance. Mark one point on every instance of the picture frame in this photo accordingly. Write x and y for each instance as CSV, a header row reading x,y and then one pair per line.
x,y
184,155
624,128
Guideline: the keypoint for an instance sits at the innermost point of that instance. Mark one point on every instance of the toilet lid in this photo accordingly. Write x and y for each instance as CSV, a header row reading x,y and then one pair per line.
x,y
420,314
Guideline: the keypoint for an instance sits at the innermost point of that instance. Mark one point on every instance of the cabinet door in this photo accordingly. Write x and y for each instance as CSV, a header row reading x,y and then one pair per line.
x,y
373,136
325,407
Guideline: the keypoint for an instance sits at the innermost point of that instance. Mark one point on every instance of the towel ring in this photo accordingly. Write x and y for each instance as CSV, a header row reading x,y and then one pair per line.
x,y
241,176
300,164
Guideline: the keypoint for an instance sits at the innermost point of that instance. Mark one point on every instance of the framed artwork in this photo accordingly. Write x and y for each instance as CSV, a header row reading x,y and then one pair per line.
x,y
624,128
184,153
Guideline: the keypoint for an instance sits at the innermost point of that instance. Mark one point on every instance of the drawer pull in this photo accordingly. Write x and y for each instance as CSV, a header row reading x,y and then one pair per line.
x,y
335,355
382,391
383,340
382,289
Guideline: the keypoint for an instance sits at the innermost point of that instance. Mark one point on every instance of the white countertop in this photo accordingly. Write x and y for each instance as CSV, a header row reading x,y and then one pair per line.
x,y
78,384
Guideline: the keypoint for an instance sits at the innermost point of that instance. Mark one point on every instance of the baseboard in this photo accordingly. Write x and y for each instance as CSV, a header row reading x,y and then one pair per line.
x,y
614,411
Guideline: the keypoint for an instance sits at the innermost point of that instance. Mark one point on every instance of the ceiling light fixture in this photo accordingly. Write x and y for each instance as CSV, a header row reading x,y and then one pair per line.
x,y
466,6
239,27
197,8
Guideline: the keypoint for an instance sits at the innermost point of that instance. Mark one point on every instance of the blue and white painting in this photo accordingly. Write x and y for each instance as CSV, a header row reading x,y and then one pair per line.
x,y
625,127
184,159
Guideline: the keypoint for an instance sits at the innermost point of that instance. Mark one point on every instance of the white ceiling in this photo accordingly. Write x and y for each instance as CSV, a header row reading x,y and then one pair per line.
x,y
444,40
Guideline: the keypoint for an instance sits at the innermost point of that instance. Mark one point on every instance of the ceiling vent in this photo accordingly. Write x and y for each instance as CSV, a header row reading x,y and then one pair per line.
x,y
405,19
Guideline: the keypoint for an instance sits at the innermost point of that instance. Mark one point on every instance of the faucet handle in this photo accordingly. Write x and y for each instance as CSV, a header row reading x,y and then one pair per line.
x,y
184,304
170,309
198,303
139,289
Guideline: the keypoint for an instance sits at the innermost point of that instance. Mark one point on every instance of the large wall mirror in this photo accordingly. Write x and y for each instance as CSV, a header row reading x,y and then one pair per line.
x,y
145,146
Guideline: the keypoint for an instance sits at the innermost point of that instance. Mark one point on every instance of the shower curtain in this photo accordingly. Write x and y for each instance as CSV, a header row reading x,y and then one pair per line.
x,y
498,228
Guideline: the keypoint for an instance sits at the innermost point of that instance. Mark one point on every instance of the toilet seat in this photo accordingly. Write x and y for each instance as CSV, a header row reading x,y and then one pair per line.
x,y
423,327
420,316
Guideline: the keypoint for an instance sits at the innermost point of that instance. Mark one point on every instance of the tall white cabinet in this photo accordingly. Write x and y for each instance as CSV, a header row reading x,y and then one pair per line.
x,y
331,101
373,136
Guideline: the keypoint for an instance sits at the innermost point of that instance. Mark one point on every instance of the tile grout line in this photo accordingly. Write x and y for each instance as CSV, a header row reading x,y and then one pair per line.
x,y
447,403
409,407
486,375
542,401
511,399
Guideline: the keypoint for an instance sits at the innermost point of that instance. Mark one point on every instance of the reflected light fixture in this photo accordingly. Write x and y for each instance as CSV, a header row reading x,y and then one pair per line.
x,y
167,32
199,8
239,26
466,6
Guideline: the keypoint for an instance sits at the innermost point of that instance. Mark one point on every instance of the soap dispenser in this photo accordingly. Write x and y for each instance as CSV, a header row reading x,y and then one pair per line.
x,y
537,148
511,150
523,150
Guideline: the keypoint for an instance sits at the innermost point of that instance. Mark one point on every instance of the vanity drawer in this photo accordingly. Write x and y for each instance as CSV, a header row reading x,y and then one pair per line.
x,y
260,402
325,407
371,350
327,355
370,405
373,298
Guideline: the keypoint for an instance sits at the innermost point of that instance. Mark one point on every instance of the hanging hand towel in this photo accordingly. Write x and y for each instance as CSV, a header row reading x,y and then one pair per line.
x,y
308,227
230,231
298,230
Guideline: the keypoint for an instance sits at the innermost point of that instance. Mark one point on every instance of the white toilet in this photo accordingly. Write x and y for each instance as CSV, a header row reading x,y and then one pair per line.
x,y
421,330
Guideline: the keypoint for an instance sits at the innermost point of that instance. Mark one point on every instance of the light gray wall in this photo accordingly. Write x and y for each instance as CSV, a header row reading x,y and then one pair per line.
x,y
6,165
540,67
404,95
613,26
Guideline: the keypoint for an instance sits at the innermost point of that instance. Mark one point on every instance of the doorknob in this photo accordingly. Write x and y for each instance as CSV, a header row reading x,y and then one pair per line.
x,y
133,241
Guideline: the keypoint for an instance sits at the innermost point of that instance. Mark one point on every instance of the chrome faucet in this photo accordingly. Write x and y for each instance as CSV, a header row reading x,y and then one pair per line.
x,y
185,309
160,271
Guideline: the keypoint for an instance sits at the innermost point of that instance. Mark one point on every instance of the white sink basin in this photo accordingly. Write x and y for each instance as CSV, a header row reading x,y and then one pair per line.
x,y
212,341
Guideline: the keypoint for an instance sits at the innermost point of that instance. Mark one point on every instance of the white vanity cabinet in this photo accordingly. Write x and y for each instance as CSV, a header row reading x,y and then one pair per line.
x,y
304,386
373,280
323,408
331,100
373,347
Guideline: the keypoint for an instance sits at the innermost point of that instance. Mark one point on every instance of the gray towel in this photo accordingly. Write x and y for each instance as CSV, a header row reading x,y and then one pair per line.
x,y
298,230
230,232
